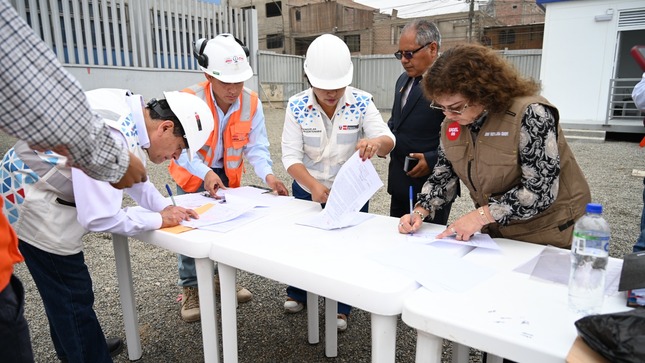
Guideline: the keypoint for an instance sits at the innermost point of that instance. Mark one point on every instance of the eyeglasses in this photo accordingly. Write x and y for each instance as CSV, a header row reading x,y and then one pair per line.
x,y
449,110
409,54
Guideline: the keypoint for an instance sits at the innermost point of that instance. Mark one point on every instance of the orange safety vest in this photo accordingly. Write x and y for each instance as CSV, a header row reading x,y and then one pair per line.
x,y
235,137
9,254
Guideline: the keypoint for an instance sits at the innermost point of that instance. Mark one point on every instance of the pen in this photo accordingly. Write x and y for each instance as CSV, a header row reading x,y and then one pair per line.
x,y
170,194
411,203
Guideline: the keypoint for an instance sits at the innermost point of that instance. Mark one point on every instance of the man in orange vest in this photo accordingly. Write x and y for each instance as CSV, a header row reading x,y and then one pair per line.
x,y
239,132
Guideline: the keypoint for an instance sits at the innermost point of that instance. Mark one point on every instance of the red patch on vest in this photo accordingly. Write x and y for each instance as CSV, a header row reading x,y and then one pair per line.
x,y
453,131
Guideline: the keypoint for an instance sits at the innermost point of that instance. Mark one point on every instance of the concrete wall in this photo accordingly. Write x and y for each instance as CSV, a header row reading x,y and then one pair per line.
x,y
148,82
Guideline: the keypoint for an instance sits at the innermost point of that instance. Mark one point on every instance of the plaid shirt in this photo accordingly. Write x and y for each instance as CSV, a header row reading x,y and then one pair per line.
x,y
41,103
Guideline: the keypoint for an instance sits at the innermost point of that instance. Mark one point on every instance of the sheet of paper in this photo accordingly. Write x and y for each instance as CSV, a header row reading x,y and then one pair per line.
x,y
480,240
220,212
241,220
355,183
259,197
194,200
433,268
180,228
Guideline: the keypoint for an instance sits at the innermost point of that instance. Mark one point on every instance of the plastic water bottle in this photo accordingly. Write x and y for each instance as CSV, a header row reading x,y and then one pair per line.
x,y
589,258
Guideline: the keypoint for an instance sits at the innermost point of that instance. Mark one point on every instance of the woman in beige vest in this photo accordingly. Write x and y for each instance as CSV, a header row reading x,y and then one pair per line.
x,y
503,141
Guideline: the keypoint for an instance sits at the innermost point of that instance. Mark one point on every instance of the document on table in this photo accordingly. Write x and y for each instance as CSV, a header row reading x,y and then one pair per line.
x,y
355,183
435,269
219,213
481,240
235,208
259,197
245,218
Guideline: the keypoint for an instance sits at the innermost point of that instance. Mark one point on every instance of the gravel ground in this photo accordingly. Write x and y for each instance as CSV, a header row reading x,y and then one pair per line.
x,y
265,333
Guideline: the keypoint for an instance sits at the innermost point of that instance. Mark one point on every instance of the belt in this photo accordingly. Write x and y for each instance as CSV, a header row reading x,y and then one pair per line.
x,y
64,202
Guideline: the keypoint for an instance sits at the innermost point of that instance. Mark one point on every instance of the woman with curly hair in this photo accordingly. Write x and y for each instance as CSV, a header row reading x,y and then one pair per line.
x,y
503,141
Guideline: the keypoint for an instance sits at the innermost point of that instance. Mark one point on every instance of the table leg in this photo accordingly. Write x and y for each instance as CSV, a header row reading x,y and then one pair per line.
x,y
229,311
460,353
428,348
491,358
383,338
312,318
331,330
207,308
126,294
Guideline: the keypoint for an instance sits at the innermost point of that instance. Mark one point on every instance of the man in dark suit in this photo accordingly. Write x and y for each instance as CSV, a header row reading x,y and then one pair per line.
x,y
415,125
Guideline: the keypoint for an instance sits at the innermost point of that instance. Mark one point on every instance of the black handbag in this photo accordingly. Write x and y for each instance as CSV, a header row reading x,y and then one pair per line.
x,y
619,337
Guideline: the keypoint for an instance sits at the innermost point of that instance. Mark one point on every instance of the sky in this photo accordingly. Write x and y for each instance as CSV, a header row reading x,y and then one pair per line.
x,y
418,8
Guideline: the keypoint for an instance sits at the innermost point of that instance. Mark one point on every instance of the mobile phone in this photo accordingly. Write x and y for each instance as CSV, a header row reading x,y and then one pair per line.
x,y
409,163
638,52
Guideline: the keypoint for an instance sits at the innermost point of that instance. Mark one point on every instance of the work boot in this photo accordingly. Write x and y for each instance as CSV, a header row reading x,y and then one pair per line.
x,y
243,295
190,304
115,347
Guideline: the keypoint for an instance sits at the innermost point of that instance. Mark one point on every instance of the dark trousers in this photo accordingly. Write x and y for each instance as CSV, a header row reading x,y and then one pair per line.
x,y
640,241
65,287
15,344
400,207
299,294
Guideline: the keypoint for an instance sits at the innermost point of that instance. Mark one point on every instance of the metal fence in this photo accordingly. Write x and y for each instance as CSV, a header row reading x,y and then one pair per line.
x,y
621,106
281,76
130,33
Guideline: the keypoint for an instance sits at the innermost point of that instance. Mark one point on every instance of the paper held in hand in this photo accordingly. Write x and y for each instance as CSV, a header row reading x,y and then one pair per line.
x,y
355,183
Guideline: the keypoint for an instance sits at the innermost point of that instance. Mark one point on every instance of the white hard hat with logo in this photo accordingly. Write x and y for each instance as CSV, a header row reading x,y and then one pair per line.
x,y
195,117
223,57
328,63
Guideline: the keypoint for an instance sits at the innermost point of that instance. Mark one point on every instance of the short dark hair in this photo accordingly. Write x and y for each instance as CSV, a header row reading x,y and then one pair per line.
x,y
160,110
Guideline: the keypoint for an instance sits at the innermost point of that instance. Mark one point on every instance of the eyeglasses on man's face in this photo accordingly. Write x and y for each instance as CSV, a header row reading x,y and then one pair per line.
x,y
408,54
445,109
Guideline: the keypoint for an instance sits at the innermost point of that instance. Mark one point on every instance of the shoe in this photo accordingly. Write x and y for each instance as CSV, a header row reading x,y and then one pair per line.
x,y
341,322
292,306
190,305
115,347
243,295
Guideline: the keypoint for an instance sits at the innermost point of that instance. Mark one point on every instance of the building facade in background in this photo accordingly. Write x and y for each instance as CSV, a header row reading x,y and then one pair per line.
x,y
288,26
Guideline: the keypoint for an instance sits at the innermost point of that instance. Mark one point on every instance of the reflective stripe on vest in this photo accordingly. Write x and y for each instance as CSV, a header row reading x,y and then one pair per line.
x,y
235,137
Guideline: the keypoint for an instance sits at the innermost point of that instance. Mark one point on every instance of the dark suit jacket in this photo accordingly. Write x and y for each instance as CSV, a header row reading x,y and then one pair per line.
x,y
417,128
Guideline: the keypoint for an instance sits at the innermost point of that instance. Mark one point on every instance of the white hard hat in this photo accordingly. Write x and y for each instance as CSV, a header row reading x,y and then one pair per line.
x,y
223,58
328,64
195,117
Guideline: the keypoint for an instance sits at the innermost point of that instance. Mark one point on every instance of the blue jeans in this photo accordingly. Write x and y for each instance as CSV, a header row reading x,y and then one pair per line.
x,y
299,294
15,344
185,264
65,287
640,242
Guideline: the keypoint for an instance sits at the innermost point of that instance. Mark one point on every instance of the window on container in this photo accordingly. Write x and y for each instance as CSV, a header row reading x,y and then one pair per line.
x,y
353,42
274,41
273,9
507,36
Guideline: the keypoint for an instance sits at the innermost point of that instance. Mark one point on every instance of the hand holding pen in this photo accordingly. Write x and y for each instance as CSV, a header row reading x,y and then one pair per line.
x,y
172,215
411,223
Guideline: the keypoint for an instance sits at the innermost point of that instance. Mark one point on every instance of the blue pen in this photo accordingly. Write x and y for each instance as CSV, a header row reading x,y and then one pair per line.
x,y
411,203
170,194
